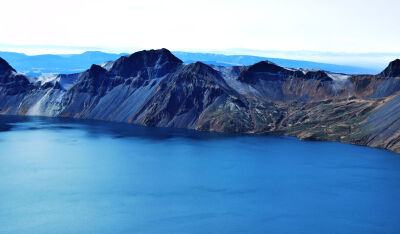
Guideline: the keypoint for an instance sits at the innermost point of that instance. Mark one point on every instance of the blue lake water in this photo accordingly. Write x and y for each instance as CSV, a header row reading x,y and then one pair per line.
x,y
70,176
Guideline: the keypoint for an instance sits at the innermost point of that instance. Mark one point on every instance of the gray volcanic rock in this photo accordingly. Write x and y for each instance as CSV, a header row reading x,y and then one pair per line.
x,y
275,83
263,70
182,97
154,88
93,81
5,68
10,82
393,70
13,88
318,75
265,66
145,63
266,70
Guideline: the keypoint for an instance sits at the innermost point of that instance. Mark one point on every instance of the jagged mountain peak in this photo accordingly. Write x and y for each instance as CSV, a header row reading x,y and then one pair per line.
x,y
265,66
197,71
392,70
5,67
151,55
201,75
96,69
318,75
161,59
199,67
261,70
92,74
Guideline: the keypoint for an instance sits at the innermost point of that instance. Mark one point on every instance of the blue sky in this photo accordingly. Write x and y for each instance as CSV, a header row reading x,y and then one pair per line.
x,y
338,27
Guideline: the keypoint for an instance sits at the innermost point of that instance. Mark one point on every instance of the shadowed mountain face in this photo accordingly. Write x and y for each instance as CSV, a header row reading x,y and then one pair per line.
x,y
145,63
393,70
11,83
154,88
5,67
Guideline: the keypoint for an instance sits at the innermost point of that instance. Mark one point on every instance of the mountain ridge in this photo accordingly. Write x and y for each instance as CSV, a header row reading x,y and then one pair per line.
x,y
155,88
5,67
53,64
392,70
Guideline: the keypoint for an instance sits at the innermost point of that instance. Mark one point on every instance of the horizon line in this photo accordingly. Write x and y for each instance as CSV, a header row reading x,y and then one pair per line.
x,y
125,49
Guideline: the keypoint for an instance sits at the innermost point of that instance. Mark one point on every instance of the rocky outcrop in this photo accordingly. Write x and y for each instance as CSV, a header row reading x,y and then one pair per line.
x,y
393,70
13,88
5,68
10,81
154,88
152,63
183,96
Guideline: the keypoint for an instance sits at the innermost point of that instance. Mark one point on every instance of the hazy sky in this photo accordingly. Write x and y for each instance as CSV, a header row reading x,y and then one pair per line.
x,y
316,25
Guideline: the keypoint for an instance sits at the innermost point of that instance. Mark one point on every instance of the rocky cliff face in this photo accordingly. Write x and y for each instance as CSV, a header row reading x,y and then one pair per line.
x,y
13,88
393,70
154,88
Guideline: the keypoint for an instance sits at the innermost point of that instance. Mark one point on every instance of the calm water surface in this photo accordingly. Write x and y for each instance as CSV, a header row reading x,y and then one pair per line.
x,y
67,176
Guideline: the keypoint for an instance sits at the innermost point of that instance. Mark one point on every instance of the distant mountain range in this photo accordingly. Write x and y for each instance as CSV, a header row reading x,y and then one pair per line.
x,y
230,60
52,64
48,64
156,88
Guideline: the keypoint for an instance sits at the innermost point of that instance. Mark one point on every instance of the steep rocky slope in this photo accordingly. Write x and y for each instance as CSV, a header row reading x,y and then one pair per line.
x,y
154,88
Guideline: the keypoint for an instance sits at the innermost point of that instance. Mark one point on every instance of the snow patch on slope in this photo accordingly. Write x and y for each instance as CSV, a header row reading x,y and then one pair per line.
x,y
65,81
48,105
338,76
107,65
230,75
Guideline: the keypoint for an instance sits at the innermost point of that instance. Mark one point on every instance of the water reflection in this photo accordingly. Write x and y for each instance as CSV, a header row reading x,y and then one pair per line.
x,y
70,176
100,128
